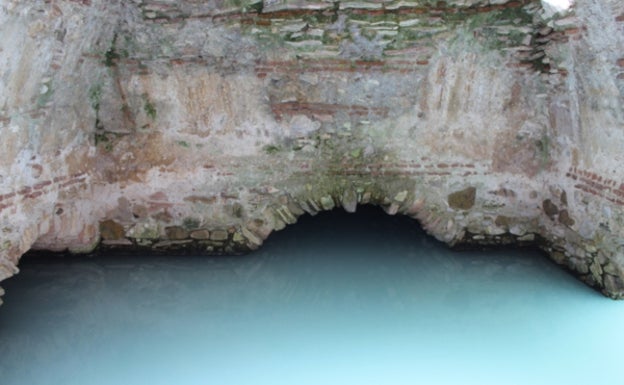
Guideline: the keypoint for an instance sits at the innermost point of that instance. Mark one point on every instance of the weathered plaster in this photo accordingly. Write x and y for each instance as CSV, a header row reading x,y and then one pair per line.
x,y
205,126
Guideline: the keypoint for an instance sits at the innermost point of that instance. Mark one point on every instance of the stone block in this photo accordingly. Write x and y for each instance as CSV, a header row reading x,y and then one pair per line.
x,y
176,233
463,199
218,235
111,230
200,234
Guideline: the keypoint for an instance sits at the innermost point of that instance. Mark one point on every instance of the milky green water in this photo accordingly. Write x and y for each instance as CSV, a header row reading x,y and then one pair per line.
x,y
334,299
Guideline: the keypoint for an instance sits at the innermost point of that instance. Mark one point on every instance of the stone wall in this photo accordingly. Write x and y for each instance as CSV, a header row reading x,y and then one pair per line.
x,y
588,121
205,126
48,53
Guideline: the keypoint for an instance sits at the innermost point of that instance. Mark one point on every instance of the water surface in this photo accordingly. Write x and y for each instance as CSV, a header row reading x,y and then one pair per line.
x,y
334,299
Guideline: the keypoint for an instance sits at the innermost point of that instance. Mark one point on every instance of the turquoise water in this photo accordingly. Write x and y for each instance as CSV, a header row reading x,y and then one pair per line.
x,y
335,299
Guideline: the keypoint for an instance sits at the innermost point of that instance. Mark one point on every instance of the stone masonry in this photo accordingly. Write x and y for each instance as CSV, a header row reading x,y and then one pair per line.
x,y
203,126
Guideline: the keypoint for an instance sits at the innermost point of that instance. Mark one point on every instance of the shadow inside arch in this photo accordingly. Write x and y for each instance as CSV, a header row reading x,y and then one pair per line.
x,y
370,247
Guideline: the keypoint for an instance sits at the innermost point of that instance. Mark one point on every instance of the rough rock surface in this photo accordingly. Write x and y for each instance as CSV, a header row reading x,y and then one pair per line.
x,y
206,125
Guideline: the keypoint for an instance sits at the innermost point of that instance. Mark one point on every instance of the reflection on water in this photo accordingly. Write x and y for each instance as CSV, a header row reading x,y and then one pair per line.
x,y
335,299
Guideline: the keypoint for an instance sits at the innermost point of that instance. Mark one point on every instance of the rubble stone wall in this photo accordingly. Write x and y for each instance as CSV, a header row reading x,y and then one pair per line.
x,y
205,126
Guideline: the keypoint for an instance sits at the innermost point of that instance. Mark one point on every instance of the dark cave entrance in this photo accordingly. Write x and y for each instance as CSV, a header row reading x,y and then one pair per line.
x,y
370,225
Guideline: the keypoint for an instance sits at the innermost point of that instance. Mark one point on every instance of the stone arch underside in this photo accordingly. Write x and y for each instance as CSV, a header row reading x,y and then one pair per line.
x,y
208,125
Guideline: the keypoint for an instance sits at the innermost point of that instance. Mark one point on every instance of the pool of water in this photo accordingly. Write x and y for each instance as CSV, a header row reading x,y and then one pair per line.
x,y
335,299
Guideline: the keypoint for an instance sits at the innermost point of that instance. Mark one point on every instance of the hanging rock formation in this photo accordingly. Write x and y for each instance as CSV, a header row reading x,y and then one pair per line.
x,y
206,125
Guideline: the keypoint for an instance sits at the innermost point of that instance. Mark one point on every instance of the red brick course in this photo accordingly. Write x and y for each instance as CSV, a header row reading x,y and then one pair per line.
x,y
82,2
597,185
402,169
340,65
37,190
316,109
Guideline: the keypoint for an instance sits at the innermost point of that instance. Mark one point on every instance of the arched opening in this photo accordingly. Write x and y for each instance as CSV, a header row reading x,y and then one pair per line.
x,y
337,298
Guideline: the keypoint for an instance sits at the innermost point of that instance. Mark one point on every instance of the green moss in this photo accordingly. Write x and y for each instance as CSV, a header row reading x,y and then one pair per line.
x,y
102,139
111,56
129,45
183,143
328,39
272,149
505,16
254,6
148,107
311,19
356,153
543,148
95,96
374,17
516,13
190,223
246,5
106,139
484,26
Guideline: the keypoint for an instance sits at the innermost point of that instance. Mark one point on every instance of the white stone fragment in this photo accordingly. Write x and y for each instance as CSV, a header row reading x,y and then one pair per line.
x,y
409,23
